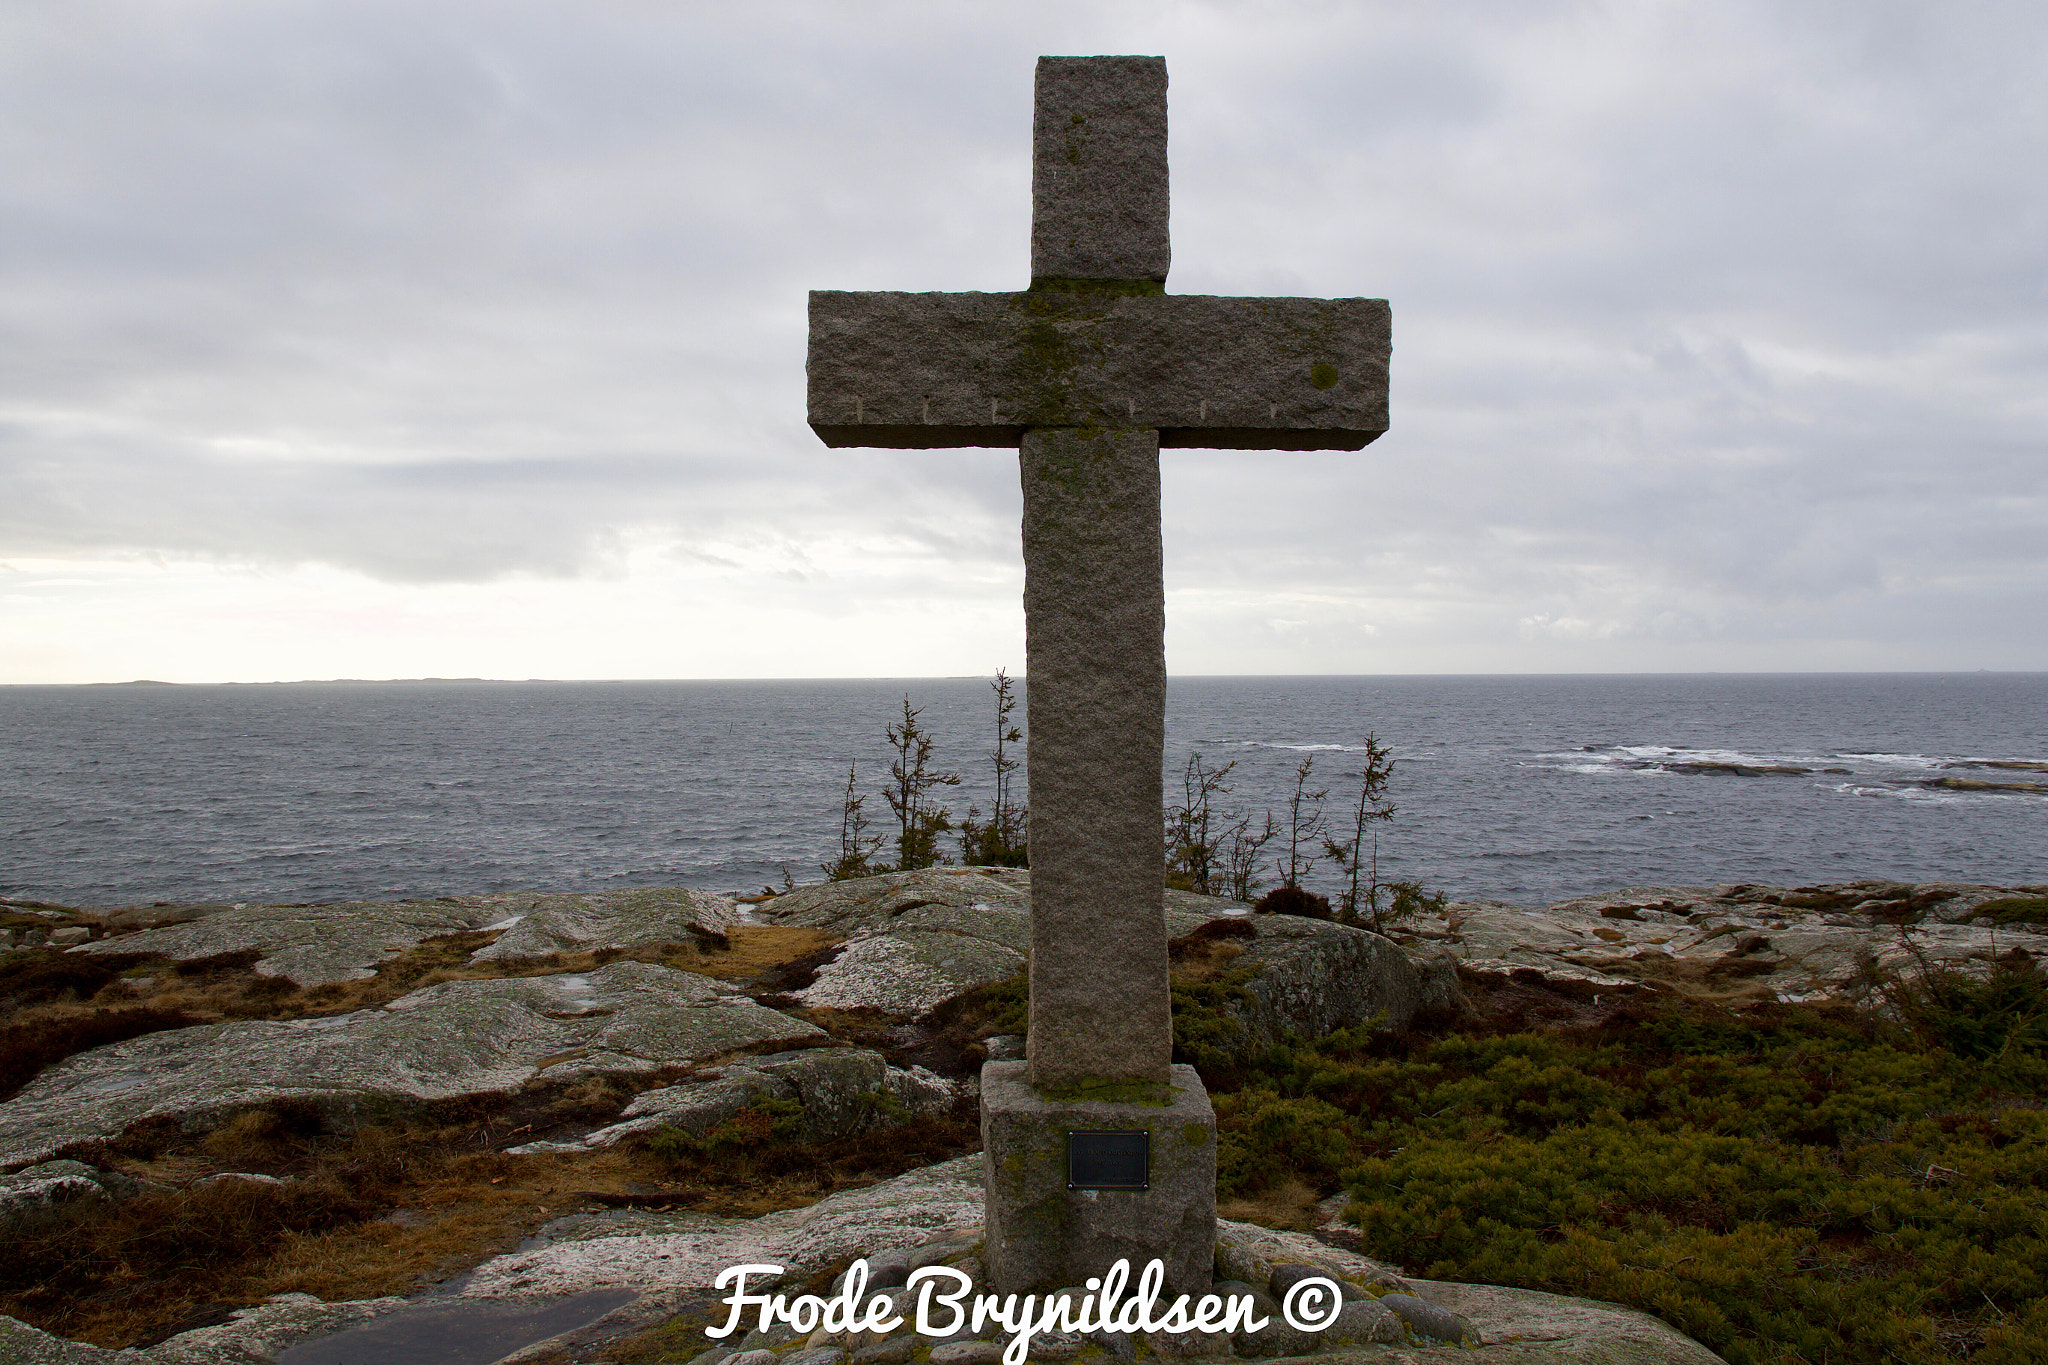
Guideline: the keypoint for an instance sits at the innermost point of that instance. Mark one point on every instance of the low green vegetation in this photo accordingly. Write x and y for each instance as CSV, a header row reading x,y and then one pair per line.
x,y
1790,1185
2017,910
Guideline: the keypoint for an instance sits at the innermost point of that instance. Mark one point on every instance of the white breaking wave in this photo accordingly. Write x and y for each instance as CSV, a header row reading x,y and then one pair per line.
x,y
1303,748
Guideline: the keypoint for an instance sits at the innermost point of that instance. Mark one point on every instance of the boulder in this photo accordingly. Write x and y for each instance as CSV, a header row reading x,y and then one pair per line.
x,y
1430,1321
1313,977
455,1038
1363,1321
611,919
52,1192
918,939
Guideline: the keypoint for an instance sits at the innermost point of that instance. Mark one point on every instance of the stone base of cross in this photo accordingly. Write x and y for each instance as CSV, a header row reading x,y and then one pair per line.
x,y
1096,1147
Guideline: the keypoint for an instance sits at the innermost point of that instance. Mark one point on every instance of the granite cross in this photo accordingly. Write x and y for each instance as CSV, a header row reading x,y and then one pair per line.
x,y
1089,373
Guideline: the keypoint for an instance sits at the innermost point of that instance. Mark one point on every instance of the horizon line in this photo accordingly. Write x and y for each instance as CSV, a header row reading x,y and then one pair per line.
x,y
1021,677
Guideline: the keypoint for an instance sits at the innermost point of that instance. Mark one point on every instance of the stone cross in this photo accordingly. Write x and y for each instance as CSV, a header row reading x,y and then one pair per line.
x,y
1089,373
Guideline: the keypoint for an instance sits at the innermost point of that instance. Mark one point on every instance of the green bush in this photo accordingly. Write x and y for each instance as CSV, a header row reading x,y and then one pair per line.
x,y
1208,1032
764,1123
1262,1139
2000,1017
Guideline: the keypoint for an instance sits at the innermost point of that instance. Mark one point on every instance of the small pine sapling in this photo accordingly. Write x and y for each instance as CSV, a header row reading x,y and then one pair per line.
x,y
1000,840
856,845
911,779
1356,861
1241,850
1305,825
1194,843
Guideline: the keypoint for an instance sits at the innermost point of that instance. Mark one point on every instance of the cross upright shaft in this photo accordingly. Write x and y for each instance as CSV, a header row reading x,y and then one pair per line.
x,y
1088,374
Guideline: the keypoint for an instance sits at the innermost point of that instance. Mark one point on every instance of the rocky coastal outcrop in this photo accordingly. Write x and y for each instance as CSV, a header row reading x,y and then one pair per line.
x,y
889,952
908,943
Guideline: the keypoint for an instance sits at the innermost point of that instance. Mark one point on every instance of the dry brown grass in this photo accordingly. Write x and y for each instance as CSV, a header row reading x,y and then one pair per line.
x,y
1208,952
758,952
385,1209
469,1208
1728,980
381,1211
1288,1205
743,1169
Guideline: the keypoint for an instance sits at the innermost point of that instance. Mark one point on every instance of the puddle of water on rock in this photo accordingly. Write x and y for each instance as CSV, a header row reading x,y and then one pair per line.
x,y
457,1331
108,1087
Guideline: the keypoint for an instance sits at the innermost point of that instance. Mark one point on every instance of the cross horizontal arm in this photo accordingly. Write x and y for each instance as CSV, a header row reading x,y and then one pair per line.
x,y
932,370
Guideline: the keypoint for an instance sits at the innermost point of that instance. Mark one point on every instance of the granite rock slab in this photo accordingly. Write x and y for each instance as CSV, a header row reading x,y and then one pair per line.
x,y
655,1251
309,945
251,1336
312,945
1249,1254
1784,943
1517,1326
1529,1327
909,971
989,903
844,1092
455,1038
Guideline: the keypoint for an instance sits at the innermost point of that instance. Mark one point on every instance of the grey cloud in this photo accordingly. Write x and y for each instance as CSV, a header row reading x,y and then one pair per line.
x,y
429,521
453,292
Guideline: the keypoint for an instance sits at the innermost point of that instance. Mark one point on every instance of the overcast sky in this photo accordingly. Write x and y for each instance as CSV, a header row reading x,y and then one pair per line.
x,y
364,339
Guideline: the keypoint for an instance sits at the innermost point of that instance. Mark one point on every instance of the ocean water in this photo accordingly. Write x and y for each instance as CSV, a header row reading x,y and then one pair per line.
x,y
1526,789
